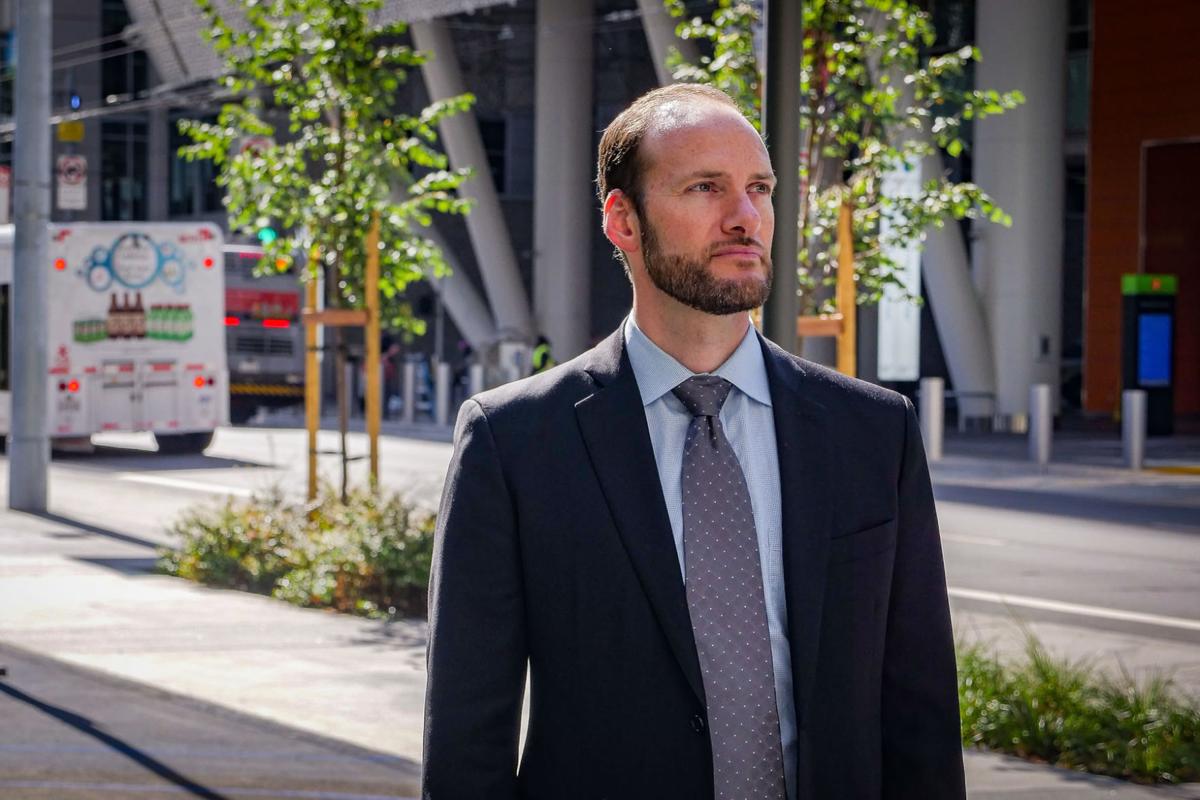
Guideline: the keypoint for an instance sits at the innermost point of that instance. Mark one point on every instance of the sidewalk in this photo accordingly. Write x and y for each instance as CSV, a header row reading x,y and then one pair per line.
x,y
83,595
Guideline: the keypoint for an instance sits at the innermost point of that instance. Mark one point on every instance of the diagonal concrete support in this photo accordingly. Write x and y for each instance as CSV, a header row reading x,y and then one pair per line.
x,y
462,302
485,224
958,313
660,34
957,309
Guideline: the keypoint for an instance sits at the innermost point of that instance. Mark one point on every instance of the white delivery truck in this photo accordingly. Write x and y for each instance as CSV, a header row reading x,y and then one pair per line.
x,y
136,335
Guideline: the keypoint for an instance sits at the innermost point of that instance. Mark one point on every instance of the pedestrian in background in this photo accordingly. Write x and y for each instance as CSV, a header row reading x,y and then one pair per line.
x,y
543,358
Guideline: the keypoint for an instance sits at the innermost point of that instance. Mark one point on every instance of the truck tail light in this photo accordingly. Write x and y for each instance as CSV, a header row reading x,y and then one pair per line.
x,y
73,386
60,264
232,322
274,322
199,382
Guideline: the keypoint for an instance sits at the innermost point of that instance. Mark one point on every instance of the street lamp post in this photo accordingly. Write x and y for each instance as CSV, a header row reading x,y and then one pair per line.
x,y
29,442
781,124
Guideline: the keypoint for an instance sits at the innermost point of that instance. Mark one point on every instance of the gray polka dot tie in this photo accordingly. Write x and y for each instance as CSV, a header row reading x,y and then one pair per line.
x,y
725,599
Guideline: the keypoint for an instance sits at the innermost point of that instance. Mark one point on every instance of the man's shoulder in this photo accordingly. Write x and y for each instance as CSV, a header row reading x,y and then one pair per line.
x,y
537,396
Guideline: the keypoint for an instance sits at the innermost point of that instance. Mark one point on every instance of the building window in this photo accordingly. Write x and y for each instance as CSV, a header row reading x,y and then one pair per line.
x,y
494,133
7,64
193,184
123,170
1078,66
125,75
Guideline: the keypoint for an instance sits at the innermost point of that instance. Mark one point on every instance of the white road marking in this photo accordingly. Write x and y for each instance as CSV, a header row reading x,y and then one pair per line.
x,y
986,541
141,788
1075,608
180,483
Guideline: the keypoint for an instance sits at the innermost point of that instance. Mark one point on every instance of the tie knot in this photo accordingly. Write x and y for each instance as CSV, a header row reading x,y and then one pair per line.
x,y
703,395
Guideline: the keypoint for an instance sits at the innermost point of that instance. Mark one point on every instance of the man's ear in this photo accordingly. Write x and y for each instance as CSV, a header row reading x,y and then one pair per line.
x,y
621,223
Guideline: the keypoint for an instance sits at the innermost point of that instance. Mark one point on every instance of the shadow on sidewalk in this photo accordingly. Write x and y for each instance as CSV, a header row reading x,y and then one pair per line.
x,y
85,726
105,456
87,527
1173,518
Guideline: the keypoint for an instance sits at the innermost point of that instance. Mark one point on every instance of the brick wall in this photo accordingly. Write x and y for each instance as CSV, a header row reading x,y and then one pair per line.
x,y
1145,85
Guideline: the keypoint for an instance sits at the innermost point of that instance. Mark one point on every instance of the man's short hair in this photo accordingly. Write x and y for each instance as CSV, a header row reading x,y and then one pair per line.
x,y
619,165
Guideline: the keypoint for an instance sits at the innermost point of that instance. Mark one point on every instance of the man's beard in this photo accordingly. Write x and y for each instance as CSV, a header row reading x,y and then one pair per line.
x,y
690,280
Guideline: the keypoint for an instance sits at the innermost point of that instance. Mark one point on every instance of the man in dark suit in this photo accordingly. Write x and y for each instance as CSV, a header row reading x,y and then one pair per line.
x,y
718,563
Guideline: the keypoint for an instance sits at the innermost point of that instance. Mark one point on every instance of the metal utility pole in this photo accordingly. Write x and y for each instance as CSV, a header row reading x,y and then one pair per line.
x,y
781,123
29,442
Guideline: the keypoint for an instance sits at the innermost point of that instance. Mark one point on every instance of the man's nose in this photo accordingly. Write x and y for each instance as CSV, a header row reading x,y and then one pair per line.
x,y
743,217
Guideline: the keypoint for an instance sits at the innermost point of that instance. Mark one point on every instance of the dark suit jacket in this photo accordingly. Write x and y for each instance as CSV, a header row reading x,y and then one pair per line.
x,y
554,549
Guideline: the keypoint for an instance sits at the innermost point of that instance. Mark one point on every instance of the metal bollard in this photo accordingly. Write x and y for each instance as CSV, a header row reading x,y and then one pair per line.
x,y
442,394
1041,423
475,377
351,383
410,392
933,416
1133,427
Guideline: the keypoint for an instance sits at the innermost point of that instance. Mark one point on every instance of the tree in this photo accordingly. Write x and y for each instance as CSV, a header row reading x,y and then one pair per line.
x,y
315,85
872,106
314,147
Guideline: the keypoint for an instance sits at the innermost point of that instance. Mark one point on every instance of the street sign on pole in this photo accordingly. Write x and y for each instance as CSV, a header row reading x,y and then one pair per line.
x,y
72,183
70,131
900,318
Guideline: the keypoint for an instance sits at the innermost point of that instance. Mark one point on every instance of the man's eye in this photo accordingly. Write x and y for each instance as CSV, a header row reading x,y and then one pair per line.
x,y
702,187
761,188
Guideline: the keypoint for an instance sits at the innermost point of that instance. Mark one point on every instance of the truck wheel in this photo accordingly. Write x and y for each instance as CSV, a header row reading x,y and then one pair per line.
x,y
180,443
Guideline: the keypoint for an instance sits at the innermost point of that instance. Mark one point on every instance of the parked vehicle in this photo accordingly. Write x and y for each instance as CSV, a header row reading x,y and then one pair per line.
x,y
133,328
263,334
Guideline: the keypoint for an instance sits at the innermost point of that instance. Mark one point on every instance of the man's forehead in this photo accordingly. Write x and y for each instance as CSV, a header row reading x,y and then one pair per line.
x,y
681,132
687,114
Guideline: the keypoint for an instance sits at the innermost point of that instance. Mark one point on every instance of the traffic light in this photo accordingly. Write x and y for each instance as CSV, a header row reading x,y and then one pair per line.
x,y
267,234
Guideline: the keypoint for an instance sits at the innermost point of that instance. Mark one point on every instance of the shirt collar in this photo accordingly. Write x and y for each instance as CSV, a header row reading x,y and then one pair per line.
x,y
657,372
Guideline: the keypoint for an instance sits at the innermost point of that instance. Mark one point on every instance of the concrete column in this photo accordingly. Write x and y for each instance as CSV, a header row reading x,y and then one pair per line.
x,y
660,34
485,224
158,162
564,204
1019,161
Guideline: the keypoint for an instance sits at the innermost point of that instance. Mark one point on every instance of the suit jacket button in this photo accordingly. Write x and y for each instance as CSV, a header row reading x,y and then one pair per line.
x,y
698,724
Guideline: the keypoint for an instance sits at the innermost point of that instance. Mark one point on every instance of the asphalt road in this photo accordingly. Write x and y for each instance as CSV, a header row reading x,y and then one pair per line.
x,y
1097,561
73,733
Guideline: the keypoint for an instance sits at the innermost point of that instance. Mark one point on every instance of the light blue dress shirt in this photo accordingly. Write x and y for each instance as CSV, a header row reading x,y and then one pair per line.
x,y
750,427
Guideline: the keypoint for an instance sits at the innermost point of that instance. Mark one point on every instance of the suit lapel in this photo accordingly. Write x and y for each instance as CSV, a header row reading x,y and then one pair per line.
x,y
613,424
805,458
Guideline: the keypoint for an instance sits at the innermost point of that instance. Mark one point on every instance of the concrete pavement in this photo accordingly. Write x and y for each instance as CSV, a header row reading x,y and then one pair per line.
x,y
81,594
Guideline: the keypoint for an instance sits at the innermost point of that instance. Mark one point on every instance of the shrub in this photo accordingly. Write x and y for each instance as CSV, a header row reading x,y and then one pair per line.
x,y
1068,714
370,555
